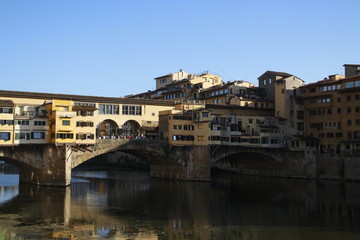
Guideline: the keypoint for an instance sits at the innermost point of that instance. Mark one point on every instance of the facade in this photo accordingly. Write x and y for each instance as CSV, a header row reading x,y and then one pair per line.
x,y
223,93
332,113
180,86
197,124
187,124
6,122
162,81
39,118
198,110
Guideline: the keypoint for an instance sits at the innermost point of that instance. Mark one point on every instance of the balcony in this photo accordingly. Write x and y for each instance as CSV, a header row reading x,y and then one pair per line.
x,y
66,115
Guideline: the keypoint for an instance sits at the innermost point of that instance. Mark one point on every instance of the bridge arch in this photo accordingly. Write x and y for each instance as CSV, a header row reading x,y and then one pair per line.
x,y
107,128
244,160
17,163
131,128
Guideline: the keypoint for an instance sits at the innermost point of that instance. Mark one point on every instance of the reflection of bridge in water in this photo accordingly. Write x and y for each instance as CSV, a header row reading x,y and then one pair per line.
x,y
77,213
125,208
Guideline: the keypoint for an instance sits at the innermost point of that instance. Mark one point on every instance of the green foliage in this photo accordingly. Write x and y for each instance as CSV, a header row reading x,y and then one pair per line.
x,y
8,235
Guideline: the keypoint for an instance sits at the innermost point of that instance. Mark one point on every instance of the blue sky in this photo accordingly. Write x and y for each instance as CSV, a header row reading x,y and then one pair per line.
x,y
116,47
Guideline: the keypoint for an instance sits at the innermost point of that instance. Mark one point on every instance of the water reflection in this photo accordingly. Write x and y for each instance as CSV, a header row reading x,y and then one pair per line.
x,y
130,205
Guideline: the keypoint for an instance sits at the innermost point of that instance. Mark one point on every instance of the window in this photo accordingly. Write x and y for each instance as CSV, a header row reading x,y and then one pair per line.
x,y
205,114
6,110
84,124
108,109
338,110
85,113
66,122
37,135
101,109
22,136
349,85
85,136
349,122
330,135
348,110
131,110
4,136
21,122
339,99
200,138
348,98
8,122
39,123
64,136
338,134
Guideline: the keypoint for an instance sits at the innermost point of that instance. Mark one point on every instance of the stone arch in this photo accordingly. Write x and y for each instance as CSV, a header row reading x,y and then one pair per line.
x,y
17,163
131,129
107,129
248,162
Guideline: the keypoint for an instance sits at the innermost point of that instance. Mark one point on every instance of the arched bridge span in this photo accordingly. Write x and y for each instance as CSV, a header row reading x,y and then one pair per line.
x,y
259,160
51,165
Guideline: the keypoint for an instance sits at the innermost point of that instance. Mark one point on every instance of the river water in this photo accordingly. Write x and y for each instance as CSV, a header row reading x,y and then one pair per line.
x,y
127,205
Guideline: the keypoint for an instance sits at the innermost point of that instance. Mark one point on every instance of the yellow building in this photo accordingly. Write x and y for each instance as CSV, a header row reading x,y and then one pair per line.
x,y
62,122
38,118
6,122
187,124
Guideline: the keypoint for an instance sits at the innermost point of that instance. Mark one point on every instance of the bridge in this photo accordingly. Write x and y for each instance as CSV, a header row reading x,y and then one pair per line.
x,y
51,165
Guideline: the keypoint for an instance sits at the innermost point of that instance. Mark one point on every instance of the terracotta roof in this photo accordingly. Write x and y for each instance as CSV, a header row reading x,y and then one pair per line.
x,y
167,75
97,99
351,65
322,82
178,82
6,103
283,74
217,87
329,82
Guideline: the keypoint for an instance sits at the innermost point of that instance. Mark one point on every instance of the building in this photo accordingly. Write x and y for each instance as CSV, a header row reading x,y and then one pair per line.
x,y
38,118
187,124
223,93
332,113
189,88
6,122
167,79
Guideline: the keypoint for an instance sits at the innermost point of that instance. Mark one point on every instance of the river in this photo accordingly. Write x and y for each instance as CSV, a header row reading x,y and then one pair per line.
x,y
125,205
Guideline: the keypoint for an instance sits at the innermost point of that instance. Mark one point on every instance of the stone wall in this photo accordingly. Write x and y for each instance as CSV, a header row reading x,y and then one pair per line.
x,y
190,163
338,167
41,164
